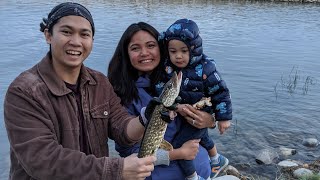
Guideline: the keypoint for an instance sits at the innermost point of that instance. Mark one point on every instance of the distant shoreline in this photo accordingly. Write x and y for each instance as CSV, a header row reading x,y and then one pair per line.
x,y
275,1
294,1
298,1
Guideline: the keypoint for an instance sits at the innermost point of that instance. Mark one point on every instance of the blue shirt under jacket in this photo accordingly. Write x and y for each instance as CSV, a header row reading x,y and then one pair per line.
x,y
173,171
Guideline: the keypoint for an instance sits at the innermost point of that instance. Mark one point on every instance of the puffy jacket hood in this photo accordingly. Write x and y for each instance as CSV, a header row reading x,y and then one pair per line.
x,y
186,31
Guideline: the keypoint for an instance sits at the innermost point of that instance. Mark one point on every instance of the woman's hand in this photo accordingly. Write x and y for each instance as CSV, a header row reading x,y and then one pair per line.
x,y
188,151
197,118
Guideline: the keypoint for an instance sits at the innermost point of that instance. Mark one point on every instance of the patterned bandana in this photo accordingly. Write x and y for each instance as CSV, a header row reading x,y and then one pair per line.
x,y
66,9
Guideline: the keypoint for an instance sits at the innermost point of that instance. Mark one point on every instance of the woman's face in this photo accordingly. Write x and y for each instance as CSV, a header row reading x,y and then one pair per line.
x,y
144,52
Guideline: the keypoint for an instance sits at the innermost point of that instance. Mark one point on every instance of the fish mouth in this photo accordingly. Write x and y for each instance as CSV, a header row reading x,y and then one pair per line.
x,y
179,79
176,80
171,90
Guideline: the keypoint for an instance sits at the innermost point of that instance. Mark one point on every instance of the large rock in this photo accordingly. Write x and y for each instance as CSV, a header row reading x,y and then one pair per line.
x,y
298,173
288,163
266,156
310,142
284,151
230,170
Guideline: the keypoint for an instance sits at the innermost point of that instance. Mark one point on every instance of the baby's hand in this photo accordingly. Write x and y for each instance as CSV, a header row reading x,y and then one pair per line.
x,y
223,125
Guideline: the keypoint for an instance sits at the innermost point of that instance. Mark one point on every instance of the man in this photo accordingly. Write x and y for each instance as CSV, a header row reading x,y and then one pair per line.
x,y
59,114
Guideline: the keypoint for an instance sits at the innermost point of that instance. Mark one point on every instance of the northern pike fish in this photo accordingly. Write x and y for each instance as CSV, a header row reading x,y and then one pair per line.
x,y
155,129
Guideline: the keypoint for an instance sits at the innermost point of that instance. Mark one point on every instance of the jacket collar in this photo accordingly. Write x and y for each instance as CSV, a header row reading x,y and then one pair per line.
x,y
52,80
143,81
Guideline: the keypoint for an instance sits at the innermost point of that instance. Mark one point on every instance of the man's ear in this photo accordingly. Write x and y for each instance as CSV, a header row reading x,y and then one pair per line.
x,y
47,35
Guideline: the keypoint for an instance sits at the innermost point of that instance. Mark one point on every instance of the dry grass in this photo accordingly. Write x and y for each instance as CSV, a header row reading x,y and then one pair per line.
x,y
287,173
293,82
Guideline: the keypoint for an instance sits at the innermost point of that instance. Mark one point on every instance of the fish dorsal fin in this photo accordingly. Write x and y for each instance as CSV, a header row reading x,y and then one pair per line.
x,y
166,145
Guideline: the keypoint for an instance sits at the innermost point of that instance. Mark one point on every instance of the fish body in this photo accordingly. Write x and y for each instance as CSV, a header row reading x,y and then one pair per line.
x,y
156,127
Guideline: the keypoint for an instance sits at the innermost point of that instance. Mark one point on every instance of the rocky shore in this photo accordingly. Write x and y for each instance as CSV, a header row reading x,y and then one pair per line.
x,y
286,169
278,159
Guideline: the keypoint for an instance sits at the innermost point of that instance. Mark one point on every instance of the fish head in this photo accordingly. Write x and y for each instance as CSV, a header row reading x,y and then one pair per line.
x,y
171,89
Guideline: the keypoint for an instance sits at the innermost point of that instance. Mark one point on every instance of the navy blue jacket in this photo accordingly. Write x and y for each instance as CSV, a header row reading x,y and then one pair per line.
x,y
200,76
203,80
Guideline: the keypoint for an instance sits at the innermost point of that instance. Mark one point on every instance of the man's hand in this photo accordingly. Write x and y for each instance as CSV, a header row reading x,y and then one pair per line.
x,y
137,168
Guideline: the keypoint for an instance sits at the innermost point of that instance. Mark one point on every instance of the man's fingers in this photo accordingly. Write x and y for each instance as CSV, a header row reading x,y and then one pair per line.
x,y
148,166
138,168
149,160
142,176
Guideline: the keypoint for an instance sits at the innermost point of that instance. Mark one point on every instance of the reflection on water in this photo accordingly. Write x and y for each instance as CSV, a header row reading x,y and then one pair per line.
x,y
255,44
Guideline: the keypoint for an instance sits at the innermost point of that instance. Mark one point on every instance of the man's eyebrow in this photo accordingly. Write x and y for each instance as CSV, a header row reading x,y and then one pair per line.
x,y
70,27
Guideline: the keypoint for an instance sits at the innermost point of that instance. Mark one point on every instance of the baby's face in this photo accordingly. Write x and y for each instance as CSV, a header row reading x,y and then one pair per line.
x,y
179,53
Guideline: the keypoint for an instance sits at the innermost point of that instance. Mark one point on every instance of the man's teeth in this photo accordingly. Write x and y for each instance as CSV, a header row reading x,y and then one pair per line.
x,y
74,52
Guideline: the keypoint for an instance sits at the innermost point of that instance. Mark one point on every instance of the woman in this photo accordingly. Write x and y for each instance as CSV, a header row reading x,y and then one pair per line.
x,y
134,69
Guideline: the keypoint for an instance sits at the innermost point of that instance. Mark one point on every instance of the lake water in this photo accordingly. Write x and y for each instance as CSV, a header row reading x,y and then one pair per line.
x,y
267,52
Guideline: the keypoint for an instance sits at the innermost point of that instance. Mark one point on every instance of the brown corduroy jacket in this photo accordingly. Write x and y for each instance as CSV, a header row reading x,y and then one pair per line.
x,y
41,118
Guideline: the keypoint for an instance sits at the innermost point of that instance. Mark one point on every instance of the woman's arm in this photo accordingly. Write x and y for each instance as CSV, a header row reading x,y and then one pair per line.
x,y
188,151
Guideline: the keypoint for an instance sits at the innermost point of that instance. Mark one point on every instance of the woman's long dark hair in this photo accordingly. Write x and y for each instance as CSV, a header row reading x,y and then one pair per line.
x,y
122,74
